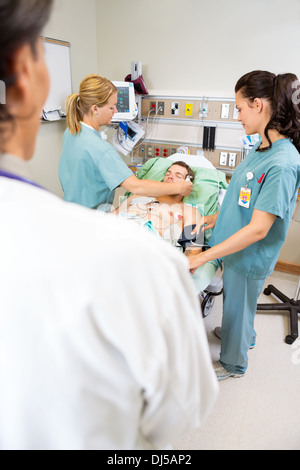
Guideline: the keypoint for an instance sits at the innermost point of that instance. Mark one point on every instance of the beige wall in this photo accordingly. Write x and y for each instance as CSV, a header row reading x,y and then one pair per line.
x,y
197,46
188,47
73,21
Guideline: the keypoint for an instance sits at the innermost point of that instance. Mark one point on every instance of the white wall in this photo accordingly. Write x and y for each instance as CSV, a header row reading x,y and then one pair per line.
x,y
73,21
197,46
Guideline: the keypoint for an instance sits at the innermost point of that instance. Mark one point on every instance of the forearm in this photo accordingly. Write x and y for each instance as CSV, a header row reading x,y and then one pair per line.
x,y
156,188
255,231
237,242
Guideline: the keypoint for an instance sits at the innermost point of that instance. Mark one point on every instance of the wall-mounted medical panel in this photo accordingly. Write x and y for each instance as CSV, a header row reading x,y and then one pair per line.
x,y
223,158
205,125
186,108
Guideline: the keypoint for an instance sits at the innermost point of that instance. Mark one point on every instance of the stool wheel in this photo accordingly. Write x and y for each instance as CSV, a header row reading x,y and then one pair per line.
x,y
267,291
290,339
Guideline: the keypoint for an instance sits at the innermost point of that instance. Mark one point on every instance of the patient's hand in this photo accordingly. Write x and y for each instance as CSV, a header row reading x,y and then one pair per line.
x,y
210,221
200,221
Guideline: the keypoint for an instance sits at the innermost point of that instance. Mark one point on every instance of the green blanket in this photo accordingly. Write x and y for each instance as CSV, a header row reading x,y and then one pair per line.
x,y
207,184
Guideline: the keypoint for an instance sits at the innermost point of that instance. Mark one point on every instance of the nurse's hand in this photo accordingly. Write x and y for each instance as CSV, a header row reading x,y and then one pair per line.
x,y
195,261
185,188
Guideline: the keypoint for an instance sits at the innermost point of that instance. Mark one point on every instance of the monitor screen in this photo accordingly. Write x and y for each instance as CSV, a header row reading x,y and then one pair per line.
x,y
126,105
123,100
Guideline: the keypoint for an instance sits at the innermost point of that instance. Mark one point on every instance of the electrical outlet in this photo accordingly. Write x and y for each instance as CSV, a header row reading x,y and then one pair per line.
x,y
150,152
157,151
175,109
161,108
232,159
223,158
153,106
166,152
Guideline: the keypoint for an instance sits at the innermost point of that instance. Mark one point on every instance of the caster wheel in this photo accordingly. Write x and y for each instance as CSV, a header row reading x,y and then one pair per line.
x,y
207,305
267,291
290,339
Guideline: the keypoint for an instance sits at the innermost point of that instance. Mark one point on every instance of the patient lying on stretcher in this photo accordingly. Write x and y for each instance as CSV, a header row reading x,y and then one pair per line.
x,y
172,220
167,216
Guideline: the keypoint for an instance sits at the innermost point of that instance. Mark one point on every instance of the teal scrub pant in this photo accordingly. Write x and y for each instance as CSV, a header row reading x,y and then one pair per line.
x,y
240,295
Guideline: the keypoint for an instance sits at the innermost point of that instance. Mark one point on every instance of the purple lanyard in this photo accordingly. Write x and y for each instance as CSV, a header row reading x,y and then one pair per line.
x,y
11,176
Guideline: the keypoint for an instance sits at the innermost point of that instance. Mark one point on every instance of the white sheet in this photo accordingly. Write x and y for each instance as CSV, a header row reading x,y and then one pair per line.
x,y
192,160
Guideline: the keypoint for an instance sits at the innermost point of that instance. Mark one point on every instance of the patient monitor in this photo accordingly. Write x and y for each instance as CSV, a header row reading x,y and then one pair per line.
x,y
128,132
126,106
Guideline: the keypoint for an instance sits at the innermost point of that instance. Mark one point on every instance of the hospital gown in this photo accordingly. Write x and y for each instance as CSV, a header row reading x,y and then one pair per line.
x,y
99,349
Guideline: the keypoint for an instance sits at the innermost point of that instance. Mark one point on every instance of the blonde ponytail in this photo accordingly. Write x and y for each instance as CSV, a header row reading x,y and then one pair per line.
x,y
94,90
74,115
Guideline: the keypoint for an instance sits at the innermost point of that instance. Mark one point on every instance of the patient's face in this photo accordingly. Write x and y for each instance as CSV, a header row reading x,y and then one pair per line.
x,y
175,174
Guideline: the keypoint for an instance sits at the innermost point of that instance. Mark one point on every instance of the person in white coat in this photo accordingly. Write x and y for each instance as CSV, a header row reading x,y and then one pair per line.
x,y
98,348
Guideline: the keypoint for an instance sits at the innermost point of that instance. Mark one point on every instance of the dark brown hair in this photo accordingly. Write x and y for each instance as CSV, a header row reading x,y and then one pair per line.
x,y
22,21
282,92
191,174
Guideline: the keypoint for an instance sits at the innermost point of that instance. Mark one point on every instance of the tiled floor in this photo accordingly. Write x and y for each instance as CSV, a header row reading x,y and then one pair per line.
x,y
260,411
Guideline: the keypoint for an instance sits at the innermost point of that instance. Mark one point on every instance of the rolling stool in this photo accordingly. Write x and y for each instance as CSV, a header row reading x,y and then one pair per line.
x,y
290,305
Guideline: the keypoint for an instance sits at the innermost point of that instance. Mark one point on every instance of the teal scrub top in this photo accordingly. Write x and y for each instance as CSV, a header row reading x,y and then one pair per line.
x,y
274,190
90,169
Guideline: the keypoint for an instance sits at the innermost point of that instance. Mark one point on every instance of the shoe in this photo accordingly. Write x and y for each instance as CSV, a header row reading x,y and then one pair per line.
x,y
218,333
223,374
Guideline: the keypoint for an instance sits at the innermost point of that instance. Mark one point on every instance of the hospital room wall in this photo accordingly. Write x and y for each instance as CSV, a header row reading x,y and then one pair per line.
x,y
73,21
196,47
191,47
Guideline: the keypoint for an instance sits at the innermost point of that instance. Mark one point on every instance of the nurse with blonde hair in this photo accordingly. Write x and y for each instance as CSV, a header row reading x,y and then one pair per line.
x,y
92,356
90,169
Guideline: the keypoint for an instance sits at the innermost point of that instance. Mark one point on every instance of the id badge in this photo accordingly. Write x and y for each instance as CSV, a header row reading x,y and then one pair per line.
x,y
245,197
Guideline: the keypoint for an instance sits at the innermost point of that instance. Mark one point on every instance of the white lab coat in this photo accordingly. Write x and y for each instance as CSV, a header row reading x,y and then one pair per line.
x,y
102,344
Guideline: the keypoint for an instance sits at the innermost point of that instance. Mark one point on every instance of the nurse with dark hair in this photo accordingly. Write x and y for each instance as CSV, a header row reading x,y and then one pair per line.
x,y
255,215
